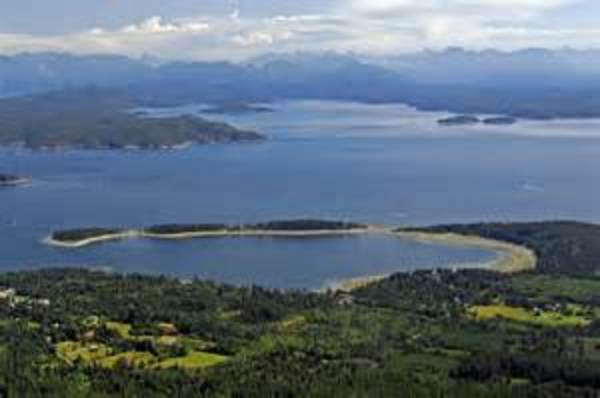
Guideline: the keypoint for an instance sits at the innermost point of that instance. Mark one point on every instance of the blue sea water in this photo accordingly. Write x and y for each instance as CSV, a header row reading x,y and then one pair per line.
x,y
384,164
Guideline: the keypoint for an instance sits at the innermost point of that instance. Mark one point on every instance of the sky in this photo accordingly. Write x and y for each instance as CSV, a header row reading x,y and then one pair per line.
x,y
240,29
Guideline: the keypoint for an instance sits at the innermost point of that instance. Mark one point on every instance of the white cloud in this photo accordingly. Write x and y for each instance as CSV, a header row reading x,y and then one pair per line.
x,y
363,26
253,39
156,25
407,7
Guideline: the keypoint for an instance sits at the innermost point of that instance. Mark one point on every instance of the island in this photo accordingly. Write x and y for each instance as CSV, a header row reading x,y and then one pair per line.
x,y
450,333
9,180
460,120
101,119
236,108
500,121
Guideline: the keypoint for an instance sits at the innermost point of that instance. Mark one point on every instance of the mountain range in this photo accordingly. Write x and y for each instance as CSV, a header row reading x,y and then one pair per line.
x,y
534,83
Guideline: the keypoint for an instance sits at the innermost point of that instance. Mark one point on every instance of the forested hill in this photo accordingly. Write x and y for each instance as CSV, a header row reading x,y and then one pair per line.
x,y
99,119
562,247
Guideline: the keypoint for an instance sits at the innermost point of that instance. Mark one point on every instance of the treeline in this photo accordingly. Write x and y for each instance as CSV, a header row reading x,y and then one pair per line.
x,y
535,367
283,225
74,235
169,229
305,225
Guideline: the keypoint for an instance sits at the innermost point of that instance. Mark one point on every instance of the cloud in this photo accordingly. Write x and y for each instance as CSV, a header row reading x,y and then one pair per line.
x,y
254,39
495,8
376,27
475,24
155,25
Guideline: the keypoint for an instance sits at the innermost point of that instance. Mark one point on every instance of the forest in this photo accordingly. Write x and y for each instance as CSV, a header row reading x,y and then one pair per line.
x,y
436,333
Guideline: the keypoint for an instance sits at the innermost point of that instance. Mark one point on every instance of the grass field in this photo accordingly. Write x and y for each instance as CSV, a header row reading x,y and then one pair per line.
x,y
121,329
542,318
73,351
132,358
194,360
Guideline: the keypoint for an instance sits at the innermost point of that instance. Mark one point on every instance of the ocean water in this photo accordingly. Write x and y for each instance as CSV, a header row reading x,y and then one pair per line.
x,y
383,164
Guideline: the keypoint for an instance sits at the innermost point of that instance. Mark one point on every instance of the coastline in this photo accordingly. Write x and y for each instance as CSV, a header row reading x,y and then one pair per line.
x,y
512,258
128,234
350,284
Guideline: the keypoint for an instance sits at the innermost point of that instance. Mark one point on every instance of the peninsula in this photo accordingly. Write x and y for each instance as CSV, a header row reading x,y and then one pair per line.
x,y
100,119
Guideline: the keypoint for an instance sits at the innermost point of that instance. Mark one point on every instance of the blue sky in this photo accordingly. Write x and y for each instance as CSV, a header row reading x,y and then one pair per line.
x,y
238,29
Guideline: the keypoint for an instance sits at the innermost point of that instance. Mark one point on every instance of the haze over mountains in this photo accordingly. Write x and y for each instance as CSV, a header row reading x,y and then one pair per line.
x,y
534,83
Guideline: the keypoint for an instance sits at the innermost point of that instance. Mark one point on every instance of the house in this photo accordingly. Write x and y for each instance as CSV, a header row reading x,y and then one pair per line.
x,y
7,294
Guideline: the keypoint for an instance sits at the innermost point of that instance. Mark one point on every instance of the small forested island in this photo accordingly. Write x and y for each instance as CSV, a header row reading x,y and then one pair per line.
x,y
237,108
500,121
12,180
100,119
76,238
460,120
444,333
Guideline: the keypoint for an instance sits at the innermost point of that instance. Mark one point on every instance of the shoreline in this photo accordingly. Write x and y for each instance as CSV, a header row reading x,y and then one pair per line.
x,y
350,284
511,258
